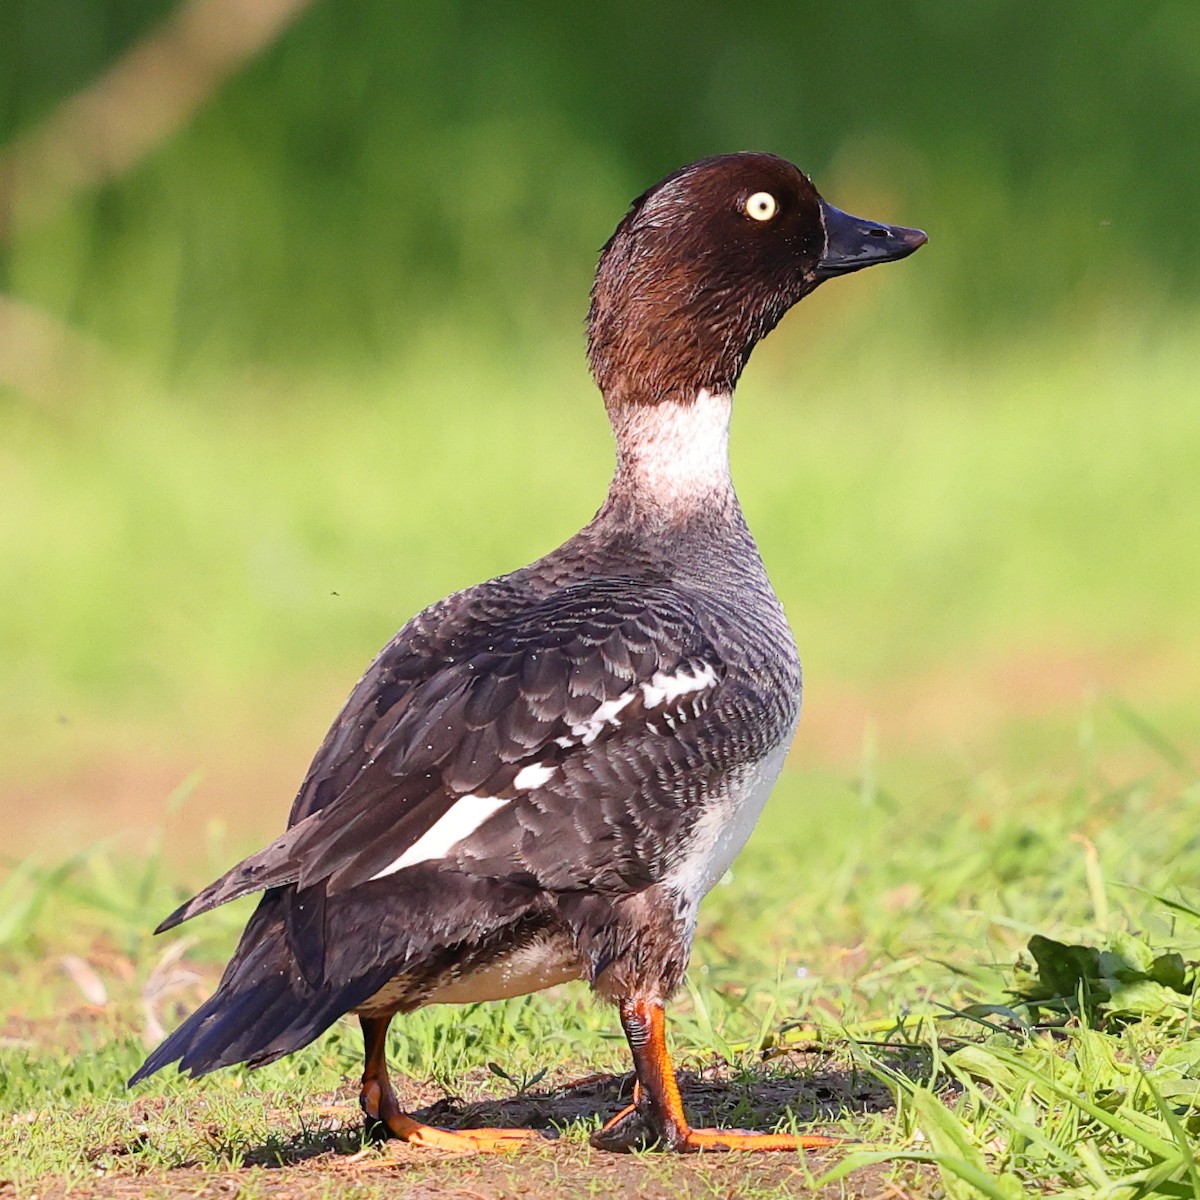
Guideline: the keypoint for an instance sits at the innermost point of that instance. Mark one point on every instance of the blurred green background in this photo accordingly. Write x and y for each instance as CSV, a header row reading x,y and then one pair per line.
x,y
291,301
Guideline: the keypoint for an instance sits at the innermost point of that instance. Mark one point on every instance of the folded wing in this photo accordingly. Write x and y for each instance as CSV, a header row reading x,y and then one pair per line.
x,y
502,736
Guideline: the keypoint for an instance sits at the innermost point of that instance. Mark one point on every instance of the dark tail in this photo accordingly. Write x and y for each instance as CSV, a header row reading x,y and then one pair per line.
x,y
270,867
263,1007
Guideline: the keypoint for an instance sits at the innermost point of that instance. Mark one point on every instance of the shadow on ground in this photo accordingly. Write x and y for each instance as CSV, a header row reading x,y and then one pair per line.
x,y
320,1148
807,1088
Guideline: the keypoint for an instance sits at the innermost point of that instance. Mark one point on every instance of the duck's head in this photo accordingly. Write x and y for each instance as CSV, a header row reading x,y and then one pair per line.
x,y
706,263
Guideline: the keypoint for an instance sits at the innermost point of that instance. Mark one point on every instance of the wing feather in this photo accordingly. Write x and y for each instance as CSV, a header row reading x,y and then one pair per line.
x,y
469,694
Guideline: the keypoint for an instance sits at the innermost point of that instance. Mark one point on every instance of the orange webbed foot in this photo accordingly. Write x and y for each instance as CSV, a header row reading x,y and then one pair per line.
x,y
384,1114
698,1140
656,1116
461,1141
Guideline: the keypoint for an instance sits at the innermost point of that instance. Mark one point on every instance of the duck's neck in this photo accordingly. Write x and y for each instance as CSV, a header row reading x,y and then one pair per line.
x,y
673,461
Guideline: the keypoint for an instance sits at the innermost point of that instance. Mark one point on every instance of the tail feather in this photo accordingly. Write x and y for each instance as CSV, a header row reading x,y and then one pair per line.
x,y
263,1007
270,867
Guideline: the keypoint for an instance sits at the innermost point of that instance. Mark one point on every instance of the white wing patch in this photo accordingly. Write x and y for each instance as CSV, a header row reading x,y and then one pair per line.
x,y
532,776
588,731
463,818
664,688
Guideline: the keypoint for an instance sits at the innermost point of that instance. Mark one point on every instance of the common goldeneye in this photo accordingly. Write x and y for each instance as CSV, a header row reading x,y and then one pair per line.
x,y
540,777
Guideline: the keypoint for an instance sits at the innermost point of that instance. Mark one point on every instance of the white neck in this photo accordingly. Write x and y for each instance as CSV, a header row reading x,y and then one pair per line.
x,y
672,456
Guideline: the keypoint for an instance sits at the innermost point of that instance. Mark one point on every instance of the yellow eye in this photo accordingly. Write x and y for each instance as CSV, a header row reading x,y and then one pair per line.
x,y
762,206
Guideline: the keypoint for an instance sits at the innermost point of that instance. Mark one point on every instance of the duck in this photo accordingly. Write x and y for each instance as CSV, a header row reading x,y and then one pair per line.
x,y
540,777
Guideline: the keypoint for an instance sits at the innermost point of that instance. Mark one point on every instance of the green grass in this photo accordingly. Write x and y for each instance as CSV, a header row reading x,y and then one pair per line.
x,y
868,940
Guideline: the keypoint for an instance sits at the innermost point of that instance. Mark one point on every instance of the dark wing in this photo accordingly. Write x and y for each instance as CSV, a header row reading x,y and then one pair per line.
x,y
518,739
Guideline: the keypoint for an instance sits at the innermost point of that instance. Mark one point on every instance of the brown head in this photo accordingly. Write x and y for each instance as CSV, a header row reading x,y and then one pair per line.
x,y
706,263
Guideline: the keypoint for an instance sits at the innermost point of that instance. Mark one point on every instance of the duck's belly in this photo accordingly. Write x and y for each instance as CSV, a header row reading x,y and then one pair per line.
x,y
723,829
526,969
529,966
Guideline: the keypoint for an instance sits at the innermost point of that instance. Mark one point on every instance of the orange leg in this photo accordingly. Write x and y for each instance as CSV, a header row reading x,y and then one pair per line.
x,y
656,1114
381,1107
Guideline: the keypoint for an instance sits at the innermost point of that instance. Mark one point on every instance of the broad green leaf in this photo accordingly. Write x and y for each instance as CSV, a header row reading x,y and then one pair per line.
x,y
1184,1056
1170,971
981,1063
1136,953
1142,998
1063,968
